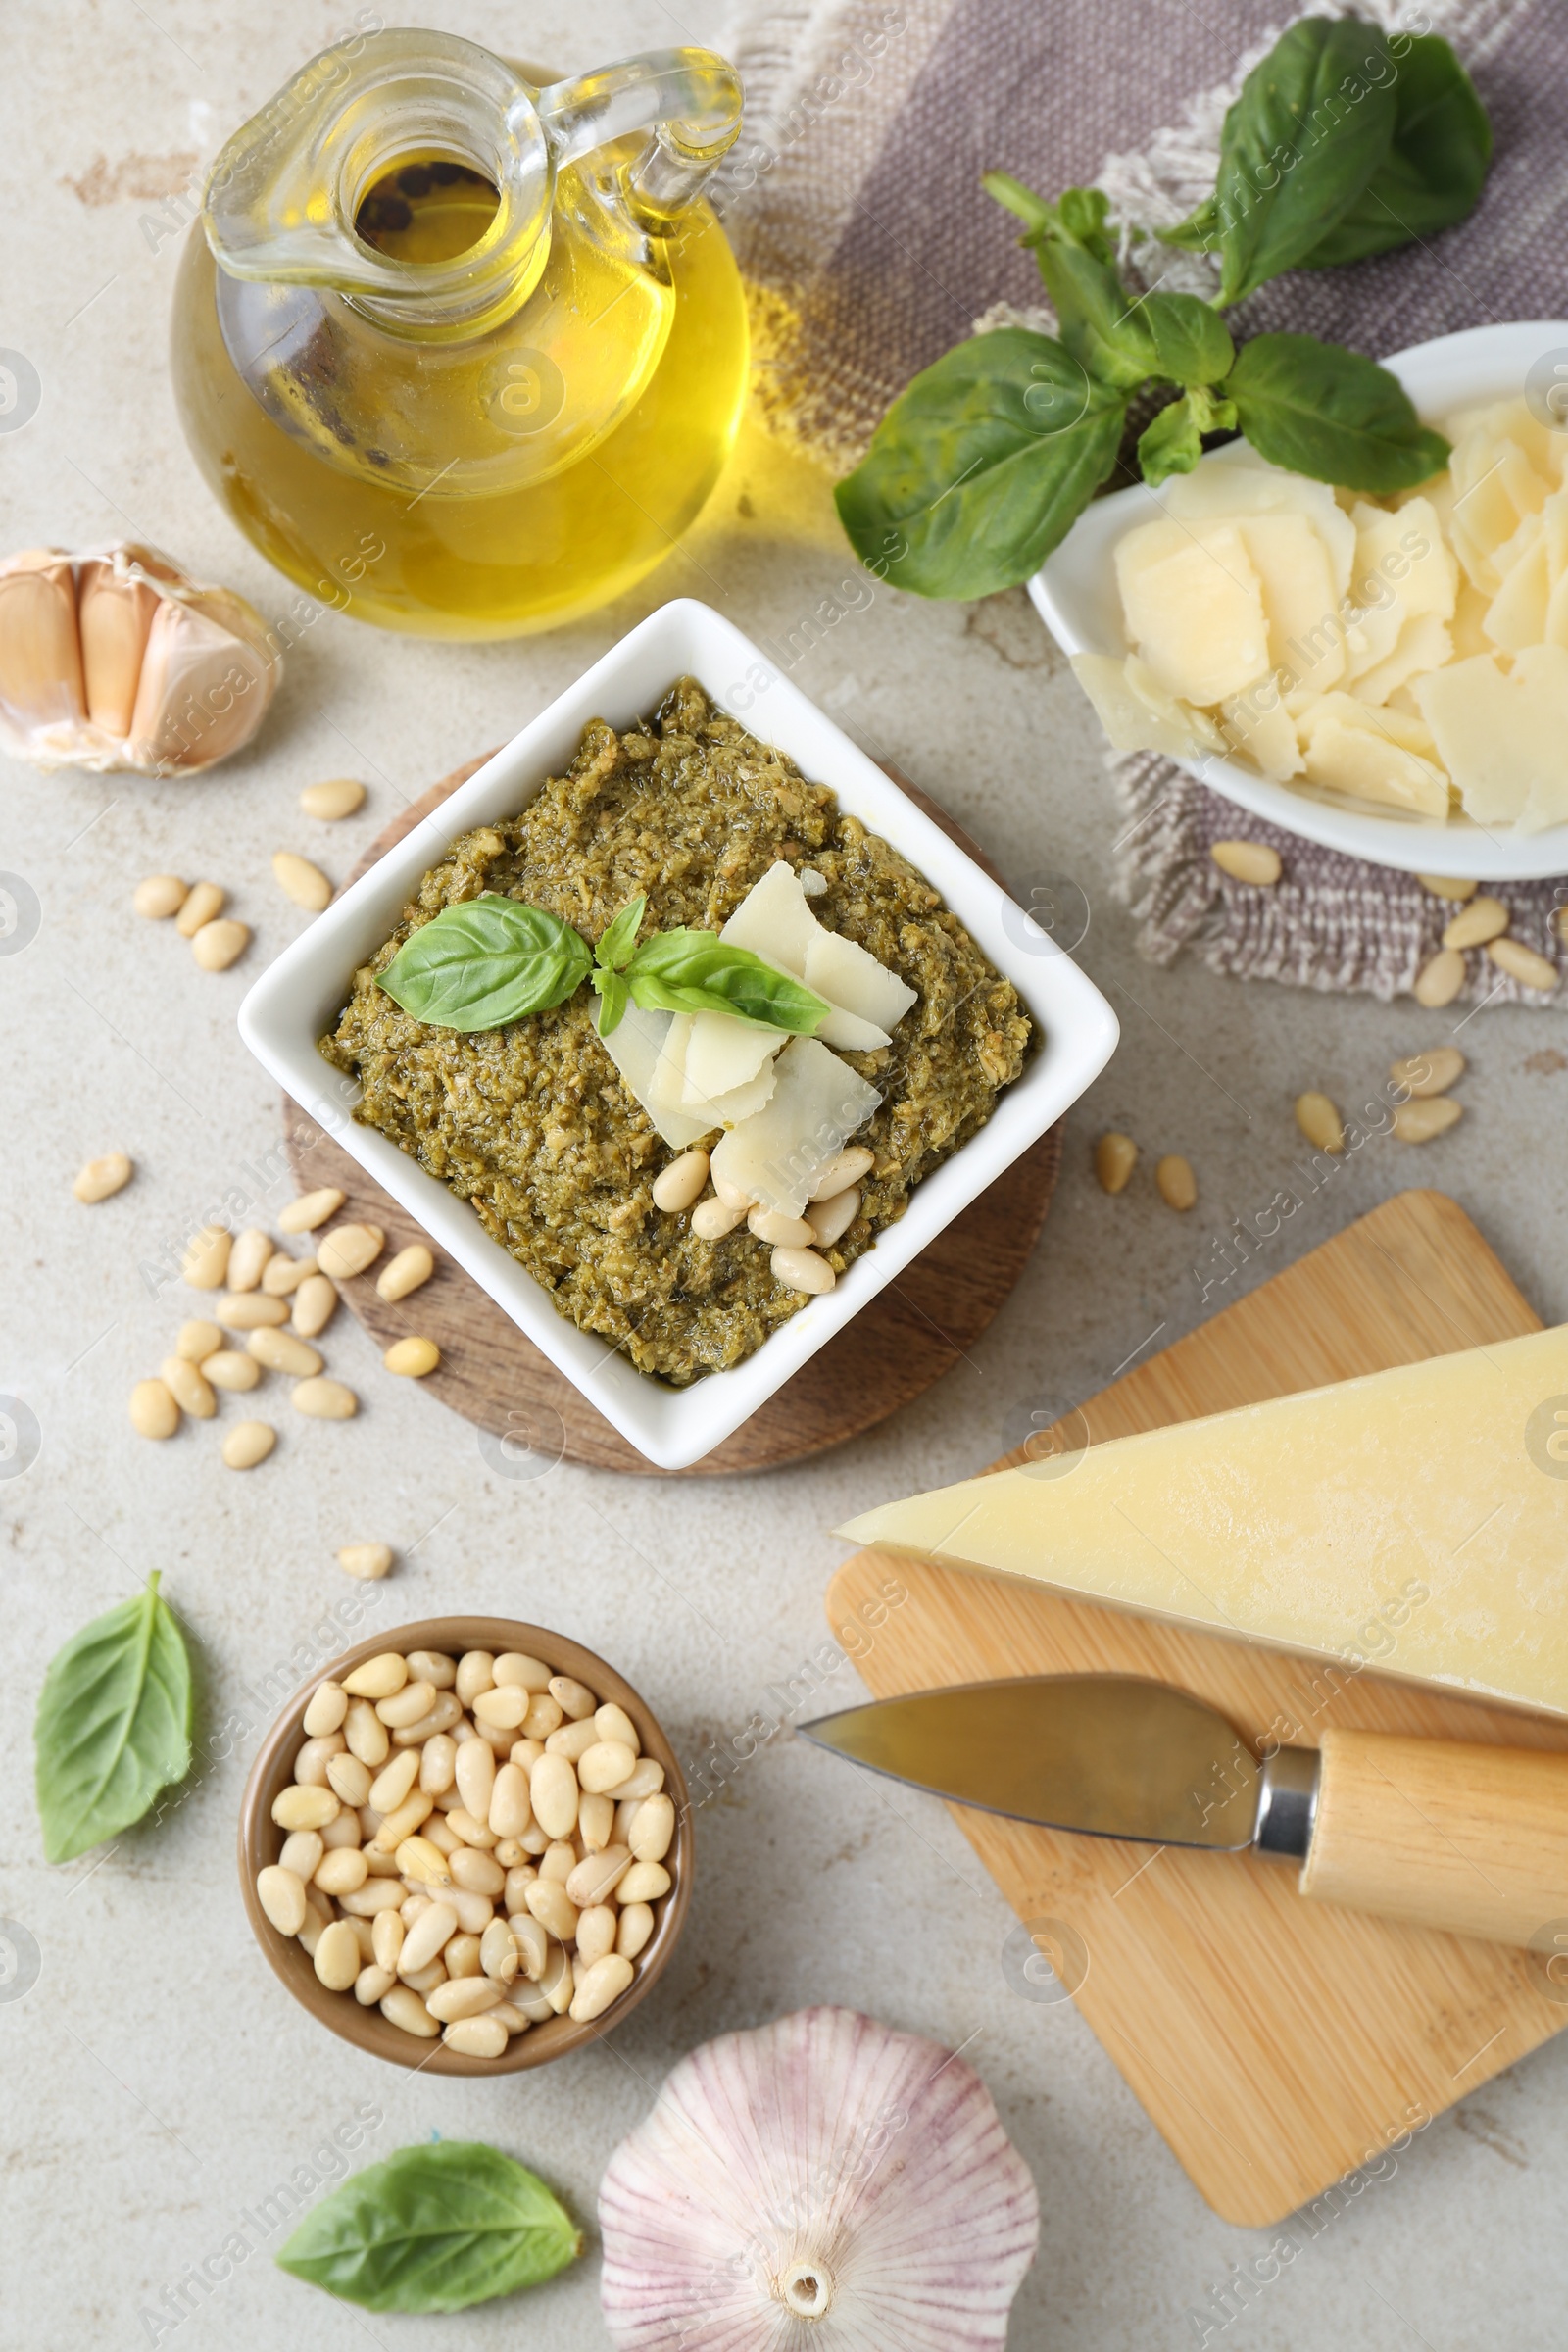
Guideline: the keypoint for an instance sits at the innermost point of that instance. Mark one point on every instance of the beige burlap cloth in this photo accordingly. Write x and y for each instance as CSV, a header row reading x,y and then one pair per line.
x,y
854,205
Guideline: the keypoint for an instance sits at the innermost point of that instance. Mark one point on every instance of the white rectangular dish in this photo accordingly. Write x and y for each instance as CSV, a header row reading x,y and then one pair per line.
x,y
1076,596
300,995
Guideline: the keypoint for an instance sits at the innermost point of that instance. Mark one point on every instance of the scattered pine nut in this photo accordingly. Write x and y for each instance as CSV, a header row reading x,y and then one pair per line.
x,y
1423,1074
315,1305
1115,1157
680,1185
309,1210
1320,1122
1481,920
1248,861
249,1311
188,1385
712,1218
153,1412
1440,979
1522,964
1442,886
216,946
369,1562
407,1271
249,1259
1419,1120
249,1442
159,897
196,1342
284,1274
198,906
1178,1186
227,1368
101,1178
206,1260
281,1351
412,1358
298,879
326,1400
338,796
347,1250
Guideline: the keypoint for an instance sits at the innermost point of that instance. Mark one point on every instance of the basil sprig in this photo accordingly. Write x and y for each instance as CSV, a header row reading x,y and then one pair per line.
x,y
1341,143
435,2227
492,961
113,1726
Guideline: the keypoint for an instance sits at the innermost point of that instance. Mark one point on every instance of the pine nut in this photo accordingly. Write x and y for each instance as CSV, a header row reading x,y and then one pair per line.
x,y
830,1221
413,1814
315,1305
533,1942
248,1258
573,1739
612,1721
644,1883
646,1779
281,1351
653,1831
1433,1074
464,1996
349,1779
387,1933
1440,979
403,2007
476,1672
309,1210
187,1385
337,1956
783,1232
282,1274
558,1860
596,1823
1442,886
378,1677
505,1707
461,1956
369,1562
475,1773
216,946
406,1706
441,1717
573,1697
420,1858
327,1706
347,1250
625,1815
407,1271
499,1957
344,1868
1484,919
373,1984
553,1793
515,1666
803,1270
602,1985
525,1752
309,1765
206,1258
476,1872
301,1852
844,1168
633,1929
1320,1122
511,1806
366,1735
298,879
337,798
297,1808
1115,1157
680,1184
159,897
425,1979
197,907
596,1932
281,1897
475,2037
250,1310
557,1981
437,1763
1248,861
595,1880
197,1342
433,1666
153,1412
606,1763
553,1908
508,2014
1418,1121
229,1369
394,1782
1522,964
1178,1186
424,1939
731,1194
712,1219
249,1442
324,1401
475,1911
412,1358
101,1178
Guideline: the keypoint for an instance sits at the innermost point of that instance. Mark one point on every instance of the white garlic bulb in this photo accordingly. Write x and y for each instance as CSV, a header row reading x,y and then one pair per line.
x,y
114,658
823,2169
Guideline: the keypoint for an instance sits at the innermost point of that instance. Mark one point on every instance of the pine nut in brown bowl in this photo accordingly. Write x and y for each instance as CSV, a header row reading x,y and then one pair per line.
x,y
466,1846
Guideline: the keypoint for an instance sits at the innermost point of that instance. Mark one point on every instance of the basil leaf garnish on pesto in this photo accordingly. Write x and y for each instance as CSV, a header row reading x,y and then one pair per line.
x,y
614,951
697,971
113,1724
485,963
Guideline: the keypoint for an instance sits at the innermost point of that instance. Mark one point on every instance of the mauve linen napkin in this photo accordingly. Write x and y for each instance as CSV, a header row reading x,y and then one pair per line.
x,y
871,248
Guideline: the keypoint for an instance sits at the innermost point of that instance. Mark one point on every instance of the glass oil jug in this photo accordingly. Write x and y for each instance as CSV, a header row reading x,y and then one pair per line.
x,y
461,354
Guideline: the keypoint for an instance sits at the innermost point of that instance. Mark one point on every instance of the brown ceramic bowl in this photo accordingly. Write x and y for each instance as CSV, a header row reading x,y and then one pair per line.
x,y
261,1842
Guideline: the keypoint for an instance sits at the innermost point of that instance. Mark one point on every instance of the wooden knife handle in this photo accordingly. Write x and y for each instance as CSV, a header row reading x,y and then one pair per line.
x,y
1471,1839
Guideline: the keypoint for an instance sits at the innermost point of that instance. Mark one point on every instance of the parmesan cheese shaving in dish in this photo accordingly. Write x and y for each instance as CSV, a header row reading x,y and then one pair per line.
x,y
1410,654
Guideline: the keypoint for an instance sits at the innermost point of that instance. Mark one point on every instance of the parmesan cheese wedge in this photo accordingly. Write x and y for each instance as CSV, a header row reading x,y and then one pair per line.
x,y
1137,718
1347,747
1194,606
775,921
1502,737
638,1047
1430,1499
817,1103
723,1052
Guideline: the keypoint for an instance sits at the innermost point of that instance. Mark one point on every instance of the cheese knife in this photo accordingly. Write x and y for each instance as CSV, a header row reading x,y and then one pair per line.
x,y
1469,1839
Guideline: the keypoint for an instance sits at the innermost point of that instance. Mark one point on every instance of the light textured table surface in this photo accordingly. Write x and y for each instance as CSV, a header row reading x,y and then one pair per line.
x,y
158,2081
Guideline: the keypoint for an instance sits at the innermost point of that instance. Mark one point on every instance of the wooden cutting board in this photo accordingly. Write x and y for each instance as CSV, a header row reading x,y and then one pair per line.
x,y
1276,2043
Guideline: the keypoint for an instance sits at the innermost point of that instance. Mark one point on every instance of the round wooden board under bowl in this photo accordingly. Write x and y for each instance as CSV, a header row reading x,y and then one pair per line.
x,y
911,1333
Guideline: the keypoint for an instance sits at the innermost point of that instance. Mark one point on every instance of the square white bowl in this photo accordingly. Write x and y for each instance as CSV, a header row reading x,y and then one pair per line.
x,y
298,998
1074,592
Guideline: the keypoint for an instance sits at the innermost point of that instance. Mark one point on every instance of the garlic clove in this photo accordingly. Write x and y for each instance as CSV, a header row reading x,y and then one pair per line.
x,y
41,652
204,688
113,613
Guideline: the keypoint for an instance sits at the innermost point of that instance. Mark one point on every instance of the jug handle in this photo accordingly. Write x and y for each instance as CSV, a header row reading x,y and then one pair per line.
x,y
688,98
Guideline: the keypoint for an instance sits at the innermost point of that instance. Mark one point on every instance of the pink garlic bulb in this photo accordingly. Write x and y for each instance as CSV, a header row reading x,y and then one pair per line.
x,y
824,2170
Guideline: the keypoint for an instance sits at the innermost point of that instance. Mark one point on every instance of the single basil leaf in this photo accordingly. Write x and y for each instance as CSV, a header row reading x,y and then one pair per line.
x,y
696,971
981,466
614,951
612,998
433,2229
113,1726
1314,121
486,962
1320,410
1171,444
1102,327
1434,170
1189,342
